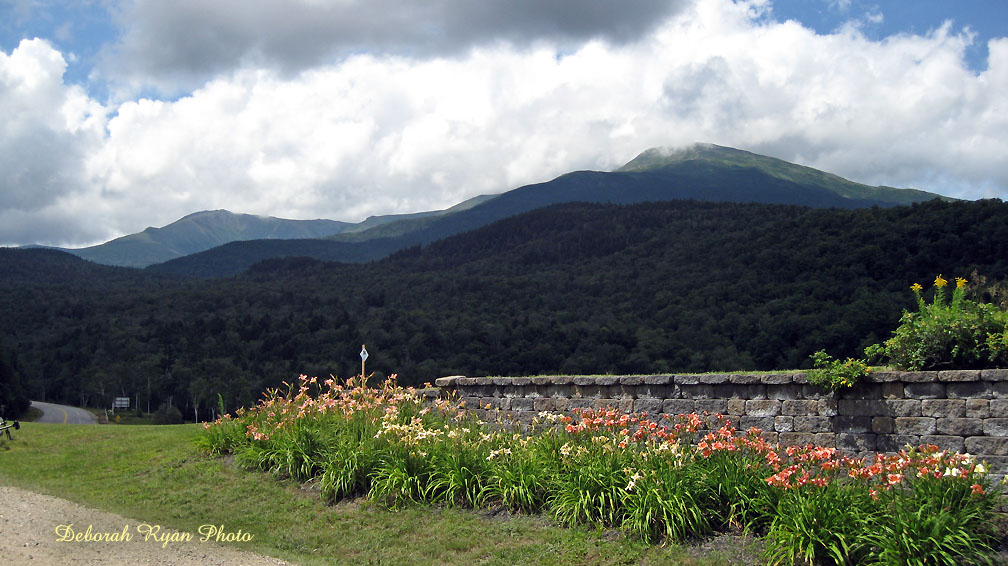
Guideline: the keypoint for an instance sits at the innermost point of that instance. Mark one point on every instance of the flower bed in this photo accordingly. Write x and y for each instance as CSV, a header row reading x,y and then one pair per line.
x,y
690,478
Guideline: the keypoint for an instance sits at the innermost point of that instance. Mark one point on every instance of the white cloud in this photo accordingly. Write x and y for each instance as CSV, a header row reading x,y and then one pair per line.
x,y
377,133
47,129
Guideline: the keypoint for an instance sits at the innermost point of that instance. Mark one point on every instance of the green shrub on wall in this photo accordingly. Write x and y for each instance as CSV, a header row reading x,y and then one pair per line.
x,y
947,333
833,374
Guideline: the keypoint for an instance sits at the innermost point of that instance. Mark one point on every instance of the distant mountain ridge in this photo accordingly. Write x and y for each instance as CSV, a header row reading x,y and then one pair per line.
x,y
701,172
220,243
198,232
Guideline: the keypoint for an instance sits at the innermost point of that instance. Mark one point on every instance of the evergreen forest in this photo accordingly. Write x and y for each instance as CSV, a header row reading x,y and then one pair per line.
x,y
674,286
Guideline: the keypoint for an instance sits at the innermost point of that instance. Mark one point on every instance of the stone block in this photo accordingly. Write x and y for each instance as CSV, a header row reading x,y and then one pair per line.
x,y
918,376
995,426
522,404
883,425
521,381
735,407
679,406
860,391
745,378
663,379
777,378
972,389
631,380
917,426
994,374
590,391
547,404
797,407
796,438
715,378
860,407
649,406
784,424
816,392
447,381
762,423
849,442
851,424
719,406
959,375
926,390
501,381
885,376
542,380
812,424
891,390
556,391
981,446
945,442
763,408
998,407
509,391
751,391
980,409
656,391
828,407
902,407
782,392
686,379
949,408
825,439
960,426
616,392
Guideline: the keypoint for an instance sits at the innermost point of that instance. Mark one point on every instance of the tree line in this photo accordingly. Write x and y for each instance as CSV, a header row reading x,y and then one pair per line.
x,y
577,288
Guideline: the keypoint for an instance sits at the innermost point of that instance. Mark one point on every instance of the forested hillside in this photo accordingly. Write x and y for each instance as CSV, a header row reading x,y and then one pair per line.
x,y
581,288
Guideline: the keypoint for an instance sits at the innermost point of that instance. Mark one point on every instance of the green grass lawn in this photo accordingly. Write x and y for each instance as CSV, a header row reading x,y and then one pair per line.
x,y
154,474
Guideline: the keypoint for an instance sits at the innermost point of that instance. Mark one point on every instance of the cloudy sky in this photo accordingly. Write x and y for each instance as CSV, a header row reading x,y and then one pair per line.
x,y
116,115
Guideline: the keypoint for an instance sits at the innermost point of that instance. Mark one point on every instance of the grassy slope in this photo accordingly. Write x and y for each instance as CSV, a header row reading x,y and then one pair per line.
x,y
154,474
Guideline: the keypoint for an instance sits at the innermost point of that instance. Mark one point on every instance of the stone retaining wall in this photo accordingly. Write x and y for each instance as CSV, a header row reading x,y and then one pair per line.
x,y
961,410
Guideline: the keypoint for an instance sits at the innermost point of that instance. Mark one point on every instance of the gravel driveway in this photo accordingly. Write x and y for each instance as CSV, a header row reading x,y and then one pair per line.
x,y
33,526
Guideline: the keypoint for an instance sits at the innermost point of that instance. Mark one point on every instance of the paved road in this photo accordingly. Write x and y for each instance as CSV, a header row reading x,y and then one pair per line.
x,y
63,414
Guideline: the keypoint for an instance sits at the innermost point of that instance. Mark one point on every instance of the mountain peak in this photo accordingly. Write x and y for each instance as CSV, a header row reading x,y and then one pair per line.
x,y
665,156
220,212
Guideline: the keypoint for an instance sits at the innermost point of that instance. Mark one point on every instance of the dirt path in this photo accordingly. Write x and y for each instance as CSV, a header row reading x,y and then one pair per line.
x,y
38,529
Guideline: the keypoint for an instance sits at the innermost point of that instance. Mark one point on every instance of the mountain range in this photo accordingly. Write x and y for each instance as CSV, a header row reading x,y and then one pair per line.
x,y
220,243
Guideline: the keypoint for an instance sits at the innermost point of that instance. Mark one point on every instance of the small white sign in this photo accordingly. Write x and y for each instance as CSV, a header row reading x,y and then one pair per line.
x,y
121,403
363,354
